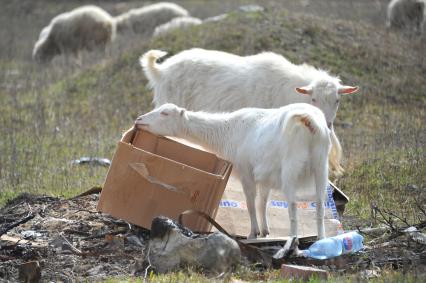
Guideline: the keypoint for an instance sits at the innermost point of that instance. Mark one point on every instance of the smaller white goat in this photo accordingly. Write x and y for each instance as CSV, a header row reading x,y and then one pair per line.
x,y
145,19
284,148
406,14
176,23
84,28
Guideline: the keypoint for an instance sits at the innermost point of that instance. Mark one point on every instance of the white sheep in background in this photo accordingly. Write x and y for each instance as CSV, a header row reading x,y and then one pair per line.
x,y
216,81
145,19
403,14
284,148
84,28
176,23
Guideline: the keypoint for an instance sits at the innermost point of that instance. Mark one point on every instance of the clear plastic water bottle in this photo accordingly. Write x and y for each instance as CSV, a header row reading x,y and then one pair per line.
x,y
334,246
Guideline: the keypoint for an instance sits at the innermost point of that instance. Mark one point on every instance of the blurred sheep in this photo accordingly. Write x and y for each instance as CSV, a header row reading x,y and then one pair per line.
x,y
84,28
176,23
144,20
403,14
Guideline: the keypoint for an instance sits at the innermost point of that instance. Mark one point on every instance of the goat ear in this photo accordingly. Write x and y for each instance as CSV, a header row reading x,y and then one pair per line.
x,y
304,90
347,89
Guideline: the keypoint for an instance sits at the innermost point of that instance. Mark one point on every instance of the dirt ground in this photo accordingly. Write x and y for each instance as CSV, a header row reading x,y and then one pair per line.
x,y
71,241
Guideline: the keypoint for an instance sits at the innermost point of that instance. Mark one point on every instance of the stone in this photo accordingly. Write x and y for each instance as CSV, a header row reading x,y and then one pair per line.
x,y
30,272
173,246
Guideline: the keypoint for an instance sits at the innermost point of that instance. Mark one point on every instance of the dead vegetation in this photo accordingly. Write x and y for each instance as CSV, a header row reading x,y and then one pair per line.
x,y
71,241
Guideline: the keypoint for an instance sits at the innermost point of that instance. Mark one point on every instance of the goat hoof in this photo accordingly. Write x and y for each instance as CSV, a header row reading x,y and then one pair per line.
x,y
253,235
264,233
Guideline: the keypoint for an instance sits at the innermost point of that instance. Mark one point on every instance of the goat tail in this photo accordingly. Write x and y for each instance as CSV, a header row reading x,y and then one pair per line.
x,y
309,142
335,156
306,149
149,65
308,122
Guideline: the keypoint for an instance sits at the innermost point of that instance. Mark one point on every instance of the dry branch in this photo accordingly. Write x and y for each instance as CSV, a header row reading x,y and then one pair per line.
x,y
29,216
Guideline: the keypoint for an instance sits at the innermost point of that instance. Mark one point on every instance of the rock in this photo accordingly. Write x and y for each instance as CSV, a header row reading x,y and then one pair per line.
x,y
370,274
96,271
217,18
251,8
134,241
289,271
173,246
30,272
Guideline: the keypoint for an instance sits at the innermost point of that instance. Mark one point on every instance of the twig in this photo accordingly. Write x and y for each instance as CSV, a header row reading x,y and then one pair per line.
x,y
373,232
30,216
387,221
149,264
91,191
101,235
72,231
421,225
397,217
6,258
73,249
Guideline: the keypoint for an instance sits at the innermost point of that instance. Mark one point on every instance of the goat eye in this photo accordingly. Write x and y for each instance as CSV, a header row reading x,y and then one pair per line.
x,y
164,113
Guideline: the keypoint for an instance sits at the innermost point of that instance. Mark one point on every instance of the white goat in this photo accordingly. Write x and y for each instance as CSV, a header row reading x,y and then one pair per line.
x,y
84,28
176,23
216,81
285,148
406,14
145,19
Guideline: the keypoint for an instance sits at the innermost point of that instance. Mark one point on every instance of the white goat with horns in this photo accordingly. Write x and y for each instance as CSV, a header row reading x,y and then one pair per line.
x,y
285,148
216,81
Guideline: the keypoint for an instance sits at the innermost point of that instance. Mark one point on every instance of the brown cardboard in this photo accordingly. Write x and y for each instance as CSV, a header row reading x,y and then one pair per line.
x,y
234,218
152,175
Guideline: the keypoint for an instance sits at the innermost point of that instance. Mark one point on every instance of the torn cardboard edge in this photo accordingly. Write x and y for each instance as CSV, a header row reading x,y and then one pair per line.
x,y
152,175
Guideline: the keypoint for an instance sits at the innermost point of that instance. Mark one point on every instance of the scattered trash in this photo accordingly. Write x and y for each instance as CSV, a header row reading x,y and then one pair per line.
x,y
76,243
172,246
416,235
30,234
334,246
93,161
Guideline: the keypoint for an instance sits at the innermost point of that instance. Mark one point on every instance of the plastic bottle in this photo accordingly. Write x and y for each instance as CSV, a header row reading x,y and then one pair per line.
x,y
334,246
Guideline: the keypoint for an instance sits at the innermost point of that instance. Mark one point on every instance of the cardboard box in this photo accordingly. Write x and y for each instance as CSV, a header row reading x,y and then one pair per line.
x,y
152,175
233,215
